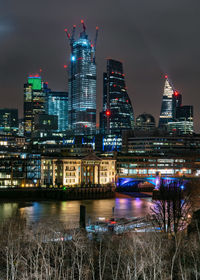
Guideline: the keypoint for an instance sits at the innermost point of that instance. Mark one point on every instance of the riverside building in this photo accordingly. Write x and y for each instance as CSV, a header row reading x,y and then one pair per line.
x,y
76,171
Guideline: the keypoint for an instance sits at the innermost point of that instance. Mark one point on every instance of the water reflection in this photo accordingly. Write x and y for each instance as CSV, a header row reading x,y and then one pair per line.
x,y
67,212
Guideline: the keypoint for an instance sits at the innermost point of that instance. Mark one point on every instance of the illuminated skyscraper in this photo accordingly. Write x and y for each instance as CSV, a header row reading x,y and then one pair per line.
x,y
166,114
57,105
34,101
183,122
176,103
8,121
82,84
117,112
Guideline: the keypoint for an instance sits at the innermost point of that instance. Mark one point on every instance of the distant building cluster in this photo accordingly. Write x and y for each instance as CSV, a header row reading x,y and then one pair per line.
x,y
50,113
56,141
174,117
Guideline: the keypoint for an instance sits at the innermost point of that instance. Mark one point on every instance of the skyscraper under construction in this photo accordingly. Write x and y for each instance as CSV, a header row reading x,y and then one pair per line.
x,y
82,83
117,114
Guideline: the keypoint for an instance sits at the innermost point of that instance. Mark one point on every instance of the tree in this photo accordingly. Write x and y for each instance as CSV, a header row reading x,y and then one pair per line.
x,y
171,211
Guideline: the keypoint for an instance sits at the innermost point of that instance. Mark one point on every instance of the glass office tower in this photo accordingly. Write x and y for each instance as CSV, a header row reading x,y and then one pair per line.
x,y
166,114
183,123
57,105
35,91
82,86
8,120
117,112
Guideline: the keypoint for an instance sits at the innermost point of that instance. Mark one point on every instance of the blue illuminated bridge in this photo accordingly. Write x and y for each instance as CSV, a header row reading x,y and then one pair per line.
x,y
126,181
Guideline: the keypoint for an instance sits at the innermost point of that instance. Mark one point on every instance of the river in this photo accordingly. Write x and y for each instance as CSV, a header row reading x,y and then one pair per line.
x,y
67,212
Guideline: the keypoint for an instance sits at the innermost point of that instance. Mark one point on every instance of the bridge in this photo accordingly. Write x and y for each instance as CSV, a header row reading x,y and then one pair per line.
x,y
131,181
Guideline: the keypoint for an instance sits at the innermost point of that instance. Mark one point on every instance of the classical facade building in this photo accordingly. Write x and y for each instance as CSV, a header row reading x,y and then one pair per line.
x,y
73,171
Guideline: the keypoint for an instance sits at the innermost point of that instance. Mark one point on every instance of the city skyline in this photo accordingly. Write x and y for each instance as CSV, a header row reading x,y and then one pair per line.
x,y
146,57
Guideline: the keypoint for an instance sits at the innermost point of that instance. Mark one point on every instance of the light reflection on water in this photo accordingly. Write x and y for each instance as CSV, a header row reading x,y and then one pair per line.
x,y
67,212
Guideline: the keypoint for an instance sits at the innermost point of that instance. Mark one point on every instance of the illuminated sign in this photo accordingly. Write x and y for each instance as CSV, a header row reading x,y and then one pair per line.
x,y
35,81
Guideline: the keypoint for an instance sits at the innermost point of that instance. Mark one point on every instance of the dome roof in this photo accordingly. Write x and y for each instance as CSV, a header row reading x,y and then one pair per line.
x,y
145,119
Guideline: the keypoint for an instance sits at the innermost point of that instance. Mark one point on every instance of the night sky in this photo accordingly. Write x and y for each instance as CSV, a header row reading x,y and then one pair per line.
x,y
151,38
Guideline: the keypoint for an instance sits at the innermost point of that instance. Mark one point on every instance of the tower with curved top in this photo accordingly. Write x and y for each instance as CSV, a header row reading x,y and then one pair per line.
x,y
117,114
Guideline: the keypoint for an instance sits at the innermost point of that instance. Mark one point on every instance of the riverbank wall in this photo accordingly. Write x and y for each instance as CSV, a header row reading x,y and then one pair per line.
x,y
36,194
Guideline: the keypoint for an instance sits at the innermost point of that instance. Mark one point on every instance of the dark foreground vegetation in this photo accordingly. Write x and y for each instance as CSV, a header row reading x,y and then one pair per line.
x,y
39,253
35,252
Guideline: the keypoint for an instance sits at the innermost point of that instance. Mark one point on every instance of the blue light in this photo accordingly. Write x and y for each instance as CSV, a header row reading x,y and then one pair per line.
x,y
182,187
73,58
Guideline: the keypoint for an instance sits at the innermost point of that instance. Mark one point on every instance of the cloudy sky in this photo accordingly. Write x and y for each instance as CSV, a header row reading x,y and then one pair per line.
x,y
151,37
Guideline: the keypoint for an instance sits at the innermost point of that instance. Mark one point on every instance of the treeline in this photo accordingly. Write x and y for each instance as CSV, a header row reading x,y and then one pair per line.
x,y
43,253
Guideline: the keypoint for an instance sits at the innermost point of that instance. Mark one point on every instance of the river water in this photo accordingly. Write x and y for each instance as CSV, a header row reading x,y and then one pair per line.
x,y
67,212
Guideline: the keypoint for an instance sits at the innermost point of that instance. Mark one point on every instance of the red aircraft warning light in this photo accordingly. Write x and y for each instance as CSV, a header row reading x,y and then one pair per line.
x,y
176,93
108,113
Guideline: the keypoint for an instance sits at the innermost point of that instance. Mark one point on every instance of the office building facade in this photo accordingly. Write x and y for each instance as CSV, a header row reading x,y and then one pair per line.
x,y
8,121
183,123
35,92
117,114
57,105
166,113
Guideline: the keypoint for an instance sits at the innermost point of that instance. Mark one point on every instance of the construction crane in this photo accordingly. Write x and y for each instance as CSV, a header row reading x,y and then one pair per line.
x,y
83,24
96,36
95,42
71,37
